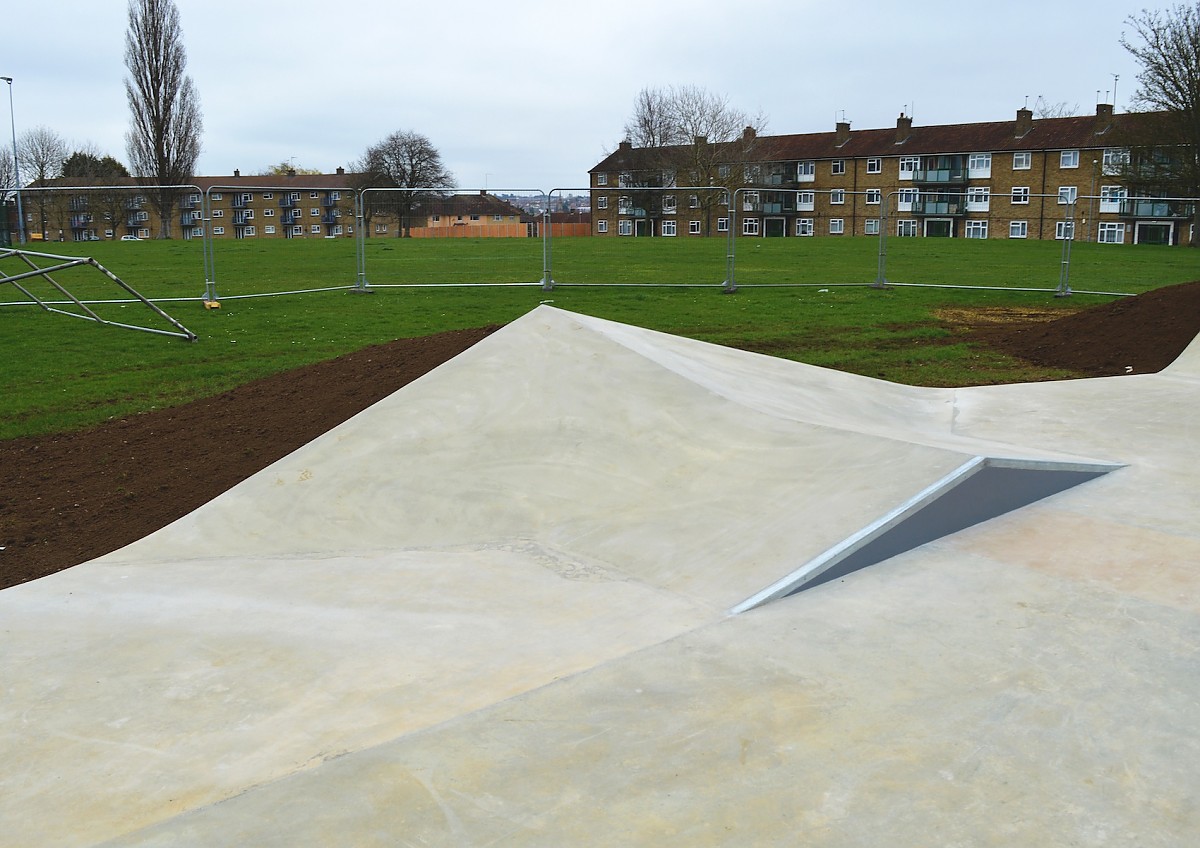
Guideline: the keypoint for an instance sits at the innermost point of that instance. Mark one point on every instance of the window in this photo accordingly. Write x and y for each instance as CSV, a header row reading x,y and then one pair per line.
x,y
298,230
1018,229
602,226
248,231
805,201
269,230
474,217
295,195
268,212
335,195
1068,159
979,198
197,232
836,226
1115,160
874,195
218,231
267,195
905,198
218,213
1022,161
216,196
1067,194
601,180
314,212
722,171
806,171
693,201
624,228
315,229
314,194
143,233
247,214
874,165
722,225
668,228
749,226
381,228
906,229
979,165
804,226
751,174
494,217
837,196
1064,230
194,198
602,202
908,165
1111,233
624,205
246,198
750,201
837,167
1111,197
668,204
694,228
977,229
1020,195
871,226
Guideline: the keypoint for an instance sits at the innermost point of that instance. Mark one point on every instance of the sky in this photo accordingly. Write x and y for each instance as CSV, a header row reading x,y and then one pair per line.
x,y
526,94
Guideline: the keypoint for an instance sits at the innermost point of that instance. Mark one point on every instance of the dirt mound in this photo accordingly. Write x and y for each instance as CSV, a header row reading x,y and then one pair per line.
x,y
1133,335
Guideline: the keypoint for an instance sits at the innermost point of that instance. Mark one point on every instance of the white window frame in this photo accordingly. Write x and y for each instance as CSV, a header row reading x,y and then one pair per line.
x,y
1116,159
874,165
906,228
602,226
874,196
837,167
722,225
837,196
669,228
1068,194
837,226
871,227
804,227
806,201
602,201
1111,197
750,226
624,227
218,231
693,228
315,229
269,230
314,212
979,199
1068,159
268,195
1109,229
979,166
908,166
905,198
1022,160
248,232
976,229
1018,229
669,204
218,213
1019,196
1064,230
806,171
601,179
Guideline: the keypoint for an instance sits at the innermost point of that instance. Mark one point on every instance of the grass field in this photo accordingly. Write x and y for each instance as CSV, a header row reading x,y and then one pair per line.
x,y
62,373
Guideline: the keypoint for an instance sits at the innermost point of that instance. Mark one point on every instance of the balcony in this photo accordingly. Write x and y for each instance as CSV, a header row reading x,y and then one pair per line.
x,y
80,222
239,202
240,219
78,204
1150,207
189,219
330,218
942,170
947,205
329,200
288,203
188,203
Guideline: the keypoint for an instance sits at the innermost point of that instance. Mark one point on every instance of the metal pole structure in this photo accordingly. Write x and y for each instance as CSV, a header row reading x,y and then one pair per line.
x,y
881,272
1064,273
730,286
16,165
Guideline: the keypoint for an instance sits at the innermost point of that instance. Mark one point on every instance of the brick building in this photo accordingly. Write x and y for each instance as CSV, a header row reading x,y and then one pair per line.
x,y
1021,179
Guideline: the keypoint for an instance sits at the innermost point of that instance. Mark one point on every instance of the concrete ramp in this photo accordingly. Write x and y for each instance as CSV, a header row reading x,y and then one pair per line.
x,y
495,608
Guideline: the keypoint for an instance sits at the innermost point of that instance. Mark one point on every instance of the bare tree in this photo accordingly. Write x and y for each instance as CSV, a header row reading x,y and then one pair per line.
x,y
1167,46
689,136
286,168
404,160
163,141
1043,108
8,185
41,152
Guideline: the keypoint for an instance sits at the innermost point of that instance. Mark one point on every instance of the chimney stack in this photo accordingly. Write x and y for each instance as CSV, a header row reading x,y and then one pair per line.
x,y
903,128
1104,117
843,132
1024,122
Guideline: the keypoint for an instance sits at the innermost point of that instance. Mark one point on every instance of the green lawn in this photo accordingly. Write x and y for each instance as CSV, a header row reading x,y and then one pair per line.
x,y
62,373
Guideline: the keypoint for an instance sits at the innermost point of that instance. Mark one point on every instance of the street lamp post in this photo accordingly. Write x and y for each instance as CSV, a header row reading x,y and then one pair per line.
x,y
16,165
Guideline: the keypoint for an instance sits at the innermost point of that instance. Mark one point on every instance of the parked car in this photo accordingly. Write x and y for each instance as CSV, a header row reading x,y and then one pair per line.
x,y
130,238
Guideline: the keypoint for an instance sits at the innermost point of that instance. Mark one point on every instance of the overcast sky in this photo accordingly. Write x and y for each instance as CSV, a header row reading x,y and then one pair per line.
x,y
531,94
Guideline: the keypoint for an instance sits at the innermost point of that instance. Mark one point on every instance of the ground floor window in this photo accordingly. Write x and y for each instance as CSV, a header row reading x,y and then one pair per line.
x,y
268,230
750,227
1111,233
1064,230
624,227
694,228
906,229
1018,229
668,228
218,231
722,225
804,226
602,226
837,226
977,229
871,226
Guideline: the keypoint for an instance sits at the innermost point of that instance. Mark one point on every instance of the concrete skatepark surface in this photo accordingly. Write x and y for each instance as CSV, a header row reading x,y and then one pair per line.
x,y
495,608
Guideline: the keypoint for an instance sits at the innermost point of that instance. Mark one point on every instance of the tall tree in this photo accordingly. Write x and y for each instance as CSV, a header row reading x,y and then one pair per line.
x,y
1166,44
163,141
41,152
408,161
8,185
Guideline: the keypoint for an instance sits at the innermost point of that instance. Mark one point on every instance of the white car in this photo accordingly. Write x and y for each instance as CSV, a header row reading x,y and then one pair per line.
x,y
130,238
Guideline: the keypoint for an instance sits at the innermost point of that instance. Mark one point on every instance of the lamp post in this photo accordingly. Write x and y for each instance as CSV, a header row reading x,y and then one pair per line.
x,y
16,166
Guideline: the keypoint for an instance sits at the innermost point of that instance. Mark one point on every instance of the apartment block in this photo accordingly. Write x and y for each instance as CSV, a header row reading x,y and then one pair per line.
x,y
1022,179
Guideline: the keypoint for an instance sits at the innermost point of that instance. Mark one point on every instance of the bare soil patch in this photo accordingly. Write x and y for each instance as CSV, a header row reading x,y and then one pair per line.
x,y
69,498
